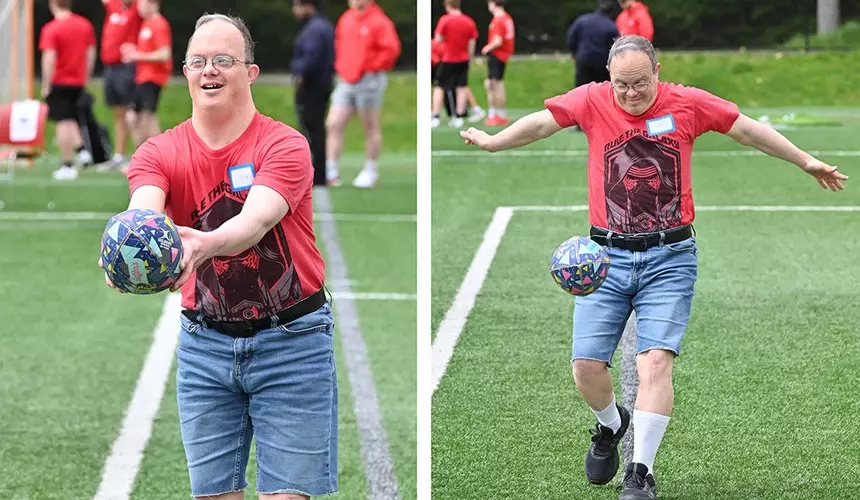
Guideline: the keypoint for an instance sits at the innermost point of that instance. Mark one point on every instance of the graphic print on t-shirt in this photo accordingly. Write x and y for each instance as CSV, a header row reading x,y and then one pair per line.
x,y
642,184
258,282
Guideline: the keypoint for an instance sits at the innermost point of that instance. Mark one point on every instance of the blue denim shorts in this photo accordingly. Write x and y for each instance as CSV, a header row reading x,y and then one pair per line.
x,y
279,387
656,283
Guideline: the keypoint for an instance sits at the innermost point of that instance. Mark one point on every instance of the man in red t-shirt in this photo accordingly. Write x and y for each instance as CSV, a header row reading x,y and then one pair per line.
x,y
640,139
121,27
154,57
238,185
459,34
499,48
68,45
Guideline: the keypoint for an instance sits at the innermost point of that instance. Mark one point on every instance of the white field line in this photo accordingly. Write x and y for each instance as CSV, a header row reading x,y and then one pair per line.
x,y
584,152
449,330
122,465
96,216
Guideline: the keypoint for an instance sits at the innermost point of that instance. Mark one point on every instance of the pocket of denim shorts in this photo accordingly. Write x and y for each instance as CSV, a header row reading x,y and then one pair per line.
x,y
188,325
319,321
688,245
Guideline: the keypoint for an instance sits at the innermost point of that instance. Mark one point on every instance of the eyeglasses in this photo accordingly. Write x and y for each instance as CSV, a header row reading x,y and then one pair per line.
x,y
638,87
219,62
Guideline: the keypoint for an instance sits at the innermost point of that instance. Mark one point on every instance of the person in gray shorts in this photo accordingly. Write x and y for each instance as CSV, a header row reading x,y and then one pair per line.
x,y
366,49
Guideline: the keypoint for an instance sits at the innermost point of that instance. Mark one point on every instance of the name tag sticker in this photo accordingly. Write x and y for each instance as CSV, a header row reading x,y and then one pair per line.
x,y
661,125
241,176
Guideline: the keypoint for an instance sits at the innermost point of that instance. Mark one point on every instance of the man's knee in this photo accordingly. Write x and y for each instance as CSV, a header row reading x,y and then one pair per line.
x,y
655,366
586,370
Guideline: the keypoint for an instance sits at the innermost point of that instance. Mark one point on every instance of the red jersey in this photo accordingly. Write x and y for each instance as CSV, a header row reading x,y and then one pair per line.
x,y
639,167
457,29
154,34
70,37
502,26
121,26
206,187
365,41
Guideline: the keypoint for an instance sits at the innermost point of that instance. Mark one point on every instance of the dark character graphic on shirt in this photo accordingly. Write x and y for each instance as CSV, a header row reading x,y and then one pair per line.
x,y
259,282
643,186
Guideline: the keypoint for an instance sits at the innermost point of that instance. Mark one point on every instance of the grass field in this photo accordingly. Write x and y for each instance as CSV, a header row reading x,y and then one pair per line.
x,y
763,399
73,349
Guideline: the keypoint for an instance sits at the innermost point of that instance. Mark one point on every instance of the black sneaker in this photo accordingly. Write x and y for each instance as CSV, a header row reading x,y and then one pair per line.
x,y
601,460
638,484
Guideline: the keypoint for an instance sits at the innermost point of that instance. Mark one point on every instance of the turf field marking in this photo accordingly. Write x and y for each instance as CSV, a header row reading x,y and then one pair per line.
x,y
122,465
449,330
584,153
55,216
378,466
373,296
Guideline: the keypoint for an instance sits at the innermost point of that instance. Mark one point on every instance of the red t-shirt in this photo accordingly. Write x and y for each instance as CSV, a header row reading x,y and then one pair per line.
x,y
154,34
502,26
121,26
206,187
457,29
70,37
639,167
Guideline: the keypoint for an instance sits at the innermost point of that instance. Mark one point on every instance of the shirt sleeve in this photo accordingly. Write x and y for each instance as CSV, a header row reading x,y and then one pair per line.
x,y
162,36
442,26
91,35
286,167
712,113
147,168
47,40
569,109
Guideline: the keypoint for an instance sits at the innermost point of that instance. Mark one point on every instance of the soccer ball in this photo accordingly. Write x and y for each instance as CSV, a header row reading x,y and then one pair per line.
x,y
579,266
141,251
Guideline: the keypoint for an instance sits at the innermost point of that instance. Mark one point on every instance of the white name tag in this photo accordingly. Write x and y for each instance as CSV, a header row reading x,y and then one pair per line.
x,y
241,176
661,125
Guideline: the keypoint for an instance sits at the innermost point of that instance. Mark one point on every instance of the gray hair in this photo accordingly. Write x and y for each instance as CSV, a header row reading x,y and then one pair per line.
x,y
235,21
633,43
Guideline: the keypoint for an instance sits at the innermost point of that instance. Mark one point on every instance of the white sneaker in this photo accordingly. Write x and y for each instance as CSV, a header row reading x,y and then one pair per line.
x,y
116,163
434,122
66,174
367,178
332,177
84,157
476,115
456,122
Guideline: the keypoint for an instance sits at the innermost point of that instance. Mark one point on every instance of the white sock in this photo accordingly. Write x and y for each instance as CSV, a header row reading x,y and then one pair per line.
x,y
648,430
476,109
502,112
609,416
492,111
370,165
118,158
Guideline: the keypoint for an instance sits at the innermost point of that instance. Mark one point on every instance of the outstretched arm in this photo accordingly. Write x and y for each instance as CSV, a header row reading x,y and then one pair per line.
x,y
750,132
531,128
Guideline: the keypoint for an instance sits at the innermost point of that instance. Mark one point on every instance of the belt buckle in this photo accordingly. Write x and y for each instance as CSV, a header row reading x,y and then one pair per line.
x,y
634,243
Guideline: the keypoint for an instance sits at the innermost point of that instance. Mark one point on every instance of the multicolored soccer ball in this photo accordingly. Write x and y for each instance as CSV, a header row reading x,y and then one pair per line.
x,y
141,251
579,266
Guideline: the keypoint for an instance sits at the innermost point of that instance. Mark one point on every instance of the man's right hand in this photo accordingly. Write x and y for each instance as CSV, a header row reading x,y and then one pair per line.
x,y
107,280
477,137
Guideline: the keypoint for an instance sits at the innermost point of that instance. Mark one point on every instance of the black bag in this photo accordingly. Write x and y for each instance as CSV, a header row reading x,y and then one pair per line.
x,y
96,137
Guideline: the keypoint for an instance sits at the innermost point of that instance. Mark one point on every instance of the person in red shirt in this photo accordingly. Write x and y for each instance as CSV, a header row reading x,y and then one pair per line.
x,y
459,34
640,135
154,57
238,185
635,19
366,48
68,45
121,27
499,48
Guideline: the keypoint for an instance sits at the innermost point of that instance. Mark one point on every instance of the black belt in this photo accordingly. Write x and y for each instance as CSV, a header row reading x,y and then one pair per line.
x,y
250,327
638,242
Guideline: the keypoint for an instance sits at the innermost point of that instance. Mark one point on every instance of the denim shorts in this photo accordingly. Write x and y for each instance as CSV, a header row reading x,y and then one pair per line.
x,y
656,283
279,387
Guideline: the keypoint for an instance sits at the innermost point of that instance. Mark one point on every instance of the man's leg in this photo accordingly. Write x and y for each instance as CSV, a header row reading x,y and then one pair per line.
x,y
311,104
663,305
292,383
598,323
215,424
370,121
342,108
